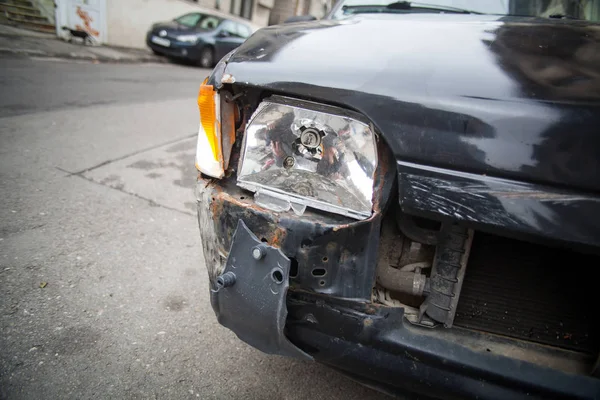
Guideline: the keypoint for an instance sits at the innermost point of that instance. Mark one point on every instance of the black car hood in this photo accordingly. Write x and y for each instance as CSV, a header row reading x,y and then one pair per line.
x,y
508,97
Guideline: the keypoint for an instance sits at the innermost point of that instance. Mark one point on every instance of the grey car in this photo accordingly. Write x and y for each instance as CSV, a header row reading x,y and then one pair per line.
x,y
197,37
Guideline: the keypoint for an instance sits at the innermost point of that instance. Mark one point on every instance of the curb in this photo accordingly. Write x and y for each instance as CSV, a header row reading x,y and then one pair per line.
x,y
82,57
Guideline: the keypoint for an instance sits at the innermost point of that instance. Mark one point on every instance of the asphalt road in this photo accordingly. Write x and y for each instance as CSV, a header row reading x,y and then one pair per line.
x,y
103,292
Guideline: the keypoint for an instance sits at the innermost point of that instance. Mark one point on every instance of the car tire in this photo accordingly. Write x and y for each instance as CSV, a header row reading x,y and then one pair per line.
x,y
207,58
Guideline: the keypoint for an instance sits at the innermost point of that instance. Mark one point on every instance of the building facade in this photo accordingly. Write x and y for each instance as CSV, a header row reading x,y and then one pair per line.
x,y
124,23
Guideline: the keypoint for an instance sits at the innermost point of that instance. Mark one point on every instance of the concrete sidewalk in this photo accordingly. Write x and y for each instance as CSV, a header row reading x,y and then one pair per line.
x,y
14,40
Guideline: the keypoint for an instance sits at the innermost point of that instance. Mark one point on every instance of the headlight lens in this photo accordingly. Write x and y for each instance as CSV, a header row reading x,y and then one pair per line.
x,y
299,154
187,38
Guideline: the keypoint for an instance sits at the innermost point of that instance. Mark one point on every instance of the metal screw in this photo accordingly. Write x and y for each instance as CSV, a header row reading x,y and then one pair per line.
x,y
258,252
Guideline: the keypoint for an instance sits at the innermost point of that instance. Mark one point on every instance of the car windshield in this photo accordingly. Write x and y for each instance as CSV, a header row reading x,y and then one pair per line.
x,y
563,9
202,21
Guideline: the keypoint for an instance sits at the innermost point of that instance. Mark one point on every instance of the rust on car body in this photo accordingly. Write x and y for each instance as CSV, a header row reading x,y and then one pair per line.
x,y
336,254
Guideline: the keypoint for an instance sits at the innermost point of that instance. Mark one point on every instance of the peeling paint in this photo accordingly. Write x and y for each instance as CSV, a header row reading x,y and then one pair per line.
x,y
228,78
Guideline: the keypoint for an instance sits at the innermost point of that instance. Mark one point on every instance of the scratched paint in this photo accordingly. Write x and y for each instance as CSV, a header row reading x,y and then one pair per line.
x,y
510,205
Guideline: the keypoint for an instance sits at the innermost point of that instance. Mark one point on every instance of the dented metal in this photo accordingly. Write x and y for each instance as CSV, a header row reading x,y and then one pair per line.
x,y
344,249
543,211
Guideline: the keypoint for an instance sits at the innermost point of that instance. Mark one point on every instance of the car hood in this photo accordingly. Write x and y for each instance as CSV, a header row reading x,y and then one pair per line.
x,y
504,96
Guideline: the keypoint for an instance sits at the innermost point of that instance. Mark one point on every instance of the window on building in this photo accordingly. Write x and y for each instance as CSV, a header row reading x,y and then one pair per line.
x,y
242,8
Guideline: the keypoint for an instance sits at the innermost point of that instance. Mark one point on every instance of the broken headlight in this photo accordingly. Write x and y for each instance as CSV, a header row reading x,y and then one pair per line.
x,y
298,154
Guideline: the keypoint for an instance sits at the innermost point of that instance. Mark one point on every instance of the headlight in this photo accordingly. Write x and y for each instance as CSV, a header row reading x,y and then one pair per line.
x,y
187,38
298,154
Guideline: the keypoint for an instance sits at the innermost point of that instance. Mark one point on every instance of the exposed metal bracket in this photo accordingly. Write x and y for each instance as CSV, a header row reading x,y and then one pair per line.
x,y
251,293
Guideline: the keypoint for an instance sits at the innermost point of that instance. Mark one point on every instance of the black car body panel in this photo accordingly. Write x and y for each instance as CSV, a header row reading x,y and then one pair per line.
x,y
389,351
462,92
491,203
486,122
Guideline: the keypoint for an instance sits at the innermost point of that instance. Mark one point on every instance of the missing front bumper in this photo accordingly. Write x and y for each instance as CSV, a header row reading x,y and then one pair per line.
x,y
331,254
343,251
336,323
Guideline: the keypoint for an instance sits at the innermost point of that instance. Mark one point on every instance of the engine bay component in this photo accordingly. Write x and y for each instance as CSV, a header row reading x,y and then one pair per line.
x,y
447,274
407,225
400,280
401,262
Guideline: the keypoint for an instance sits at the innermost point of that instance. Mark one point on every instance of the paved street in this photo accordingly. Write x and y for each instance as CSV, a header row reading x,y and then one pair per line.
x,y
102,282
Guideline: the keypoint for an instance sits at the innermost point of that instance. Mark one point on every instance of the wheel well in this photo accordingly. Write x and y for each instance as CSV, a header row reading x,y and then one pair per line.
x,y
208,46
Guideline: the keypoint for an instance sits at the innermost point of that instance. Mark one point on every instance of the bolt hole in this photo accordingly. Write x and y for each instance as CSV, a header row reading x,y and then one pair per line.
x,y
322,283
488,350
220,282
319,272
293,268
277,276
242,197
325,259
264,240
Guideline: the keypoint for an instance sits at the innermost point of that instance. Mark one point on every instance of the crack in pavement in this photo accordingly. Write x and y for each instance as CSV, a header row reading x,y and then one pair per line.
x,y
102,164
151,203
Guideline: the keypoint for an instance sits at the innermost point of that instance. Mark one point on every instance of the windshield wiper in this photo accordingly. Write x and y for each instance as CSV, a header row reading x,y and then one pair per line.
x,y
408,6
417,5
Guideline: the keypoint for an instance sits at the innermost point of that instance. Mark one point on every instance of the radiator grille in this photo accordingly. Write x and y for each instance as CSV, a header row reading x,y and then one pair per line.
x,y
531,292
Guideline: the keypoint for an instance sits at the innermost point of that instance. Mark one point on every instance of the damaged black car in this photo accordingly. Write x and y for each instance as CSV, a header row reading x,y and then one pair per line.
x,y
410,194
